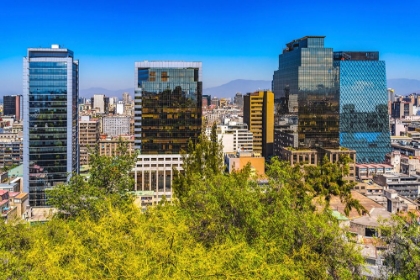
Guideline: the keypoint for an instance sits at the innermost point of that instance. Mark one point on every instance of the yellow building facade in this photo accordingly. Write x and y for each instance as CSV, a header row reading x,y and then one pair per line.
x,y
259,116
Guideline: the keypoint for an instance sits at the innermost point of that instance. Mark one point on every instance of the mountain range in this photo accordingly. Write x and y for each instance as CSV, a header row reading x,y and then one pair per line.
x,y
401,87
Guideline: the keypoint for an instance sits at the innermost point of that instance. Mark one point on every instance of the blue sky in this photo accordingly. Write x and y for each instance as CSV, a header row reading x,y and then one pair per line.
x,y
233,39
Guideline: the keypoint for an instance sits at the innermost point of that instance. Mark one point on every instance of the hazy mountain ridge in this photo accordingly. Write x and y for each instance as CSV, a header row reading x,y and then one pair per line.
x,y
240,85
401,86
404,86
89,92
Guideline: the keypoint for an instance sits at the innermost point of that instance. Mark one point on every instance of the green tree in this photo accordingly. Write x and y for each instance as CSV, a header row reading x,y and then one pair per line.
x,y
327,180
109,179
402,236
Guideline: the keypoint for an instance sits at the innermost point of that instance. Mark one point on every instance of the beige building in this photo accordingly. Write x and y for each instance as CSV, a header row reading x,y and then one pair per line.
x,y
108,146
154,173
315,156
89,133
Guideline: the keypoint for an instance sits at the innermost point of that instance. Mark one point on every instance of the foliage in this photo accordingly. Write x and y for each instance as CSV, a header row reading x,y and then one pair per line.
x,y
402,235
220,226
109,179
327,179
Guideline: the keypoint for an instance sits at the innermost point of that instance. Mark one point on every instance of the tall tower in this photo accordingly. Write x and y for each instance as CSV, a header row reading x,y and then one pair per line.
x,y
305,88
364,121
259,116
168,112
168,99
50,94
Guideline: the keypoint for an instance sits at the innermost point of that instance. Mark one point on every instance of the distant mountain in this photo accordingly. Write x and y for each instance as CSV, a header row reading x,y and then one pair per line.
x,y
231,88
404,86
109,93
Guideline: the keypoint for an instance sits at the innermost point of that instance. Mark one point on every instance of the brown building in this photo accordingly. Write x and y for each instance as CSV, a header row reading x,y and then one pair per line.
x,y
89,133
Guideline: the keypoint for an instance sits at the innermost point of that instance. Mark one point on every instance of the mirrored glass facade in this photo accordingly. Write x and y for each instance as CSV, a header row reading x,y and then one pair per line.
x,y
168,106
306,96
364,121
50,120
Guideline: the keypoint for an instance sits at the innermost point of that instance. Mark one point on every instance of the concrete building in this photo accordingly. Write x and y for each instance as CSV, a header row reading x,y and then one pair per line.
x,y
115,126
50,129
11,149
234,137
155,173
259,116
120,108
108,146
405,185
100,103
237,161
89,134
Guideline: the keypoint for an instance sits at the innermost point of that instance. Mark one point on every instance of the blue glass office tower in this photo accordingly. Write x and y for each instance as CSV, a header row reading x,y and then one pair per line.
x,y
50,92
306,96
168,106
364,121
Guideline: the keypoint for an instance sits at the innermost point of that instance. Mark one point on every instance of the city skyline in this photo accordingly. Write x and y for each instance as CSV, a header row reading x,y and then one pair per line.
x,y
234,40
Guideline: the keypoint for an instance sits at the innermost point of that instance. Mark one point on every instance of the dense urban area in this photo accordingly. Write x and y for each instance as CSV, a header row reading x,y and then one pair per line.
x,y
317,177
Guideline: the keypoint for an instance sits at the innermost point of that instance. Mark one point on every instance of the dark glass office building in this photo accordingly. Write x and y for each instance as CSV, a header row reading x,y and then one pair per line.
x,y
364,121
168,106
50,151
12,106
306,96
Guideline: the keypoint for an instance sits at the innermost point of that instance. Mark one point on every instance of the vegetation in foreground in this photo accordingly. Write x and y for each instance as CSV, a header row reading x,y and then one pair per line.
x,y
220,226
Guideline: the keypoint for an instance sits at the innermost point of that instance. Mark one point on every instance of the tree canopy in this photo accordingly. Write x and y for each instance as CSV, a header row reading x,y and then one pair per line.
x,y
218,226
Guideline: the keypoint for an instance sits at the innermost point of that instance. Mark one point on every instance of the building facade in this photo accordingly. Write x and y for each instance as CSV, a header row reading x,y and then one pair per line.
x,y
89,134
364,120
115,126
100,103
12,106
234,137
50,130
305,89
168,99
259,116
11,149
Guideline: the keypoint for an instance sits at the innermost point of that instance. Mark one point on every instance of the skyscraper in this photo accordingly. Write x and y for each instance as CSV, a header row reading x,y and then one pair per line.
x,y
259,116
306,96
50,93
364,121
168,112
168,98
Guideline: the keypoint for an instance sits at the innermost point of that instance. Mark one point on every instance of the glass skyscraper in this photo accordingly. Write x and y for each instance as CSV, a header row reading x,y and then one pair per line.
x,y
168,101
50,92
306,96
364,121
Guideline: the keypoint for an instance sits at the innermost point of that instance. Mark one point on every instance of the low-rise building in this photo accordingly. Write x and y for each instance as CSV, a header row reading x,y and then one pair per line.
x,y
367,171
108,146
405,185
237,161
154,173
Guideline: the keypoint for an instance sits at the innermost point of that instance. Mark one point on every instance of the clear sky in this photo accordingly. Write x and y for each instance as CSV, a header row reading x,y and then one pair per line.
x,y
233,39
